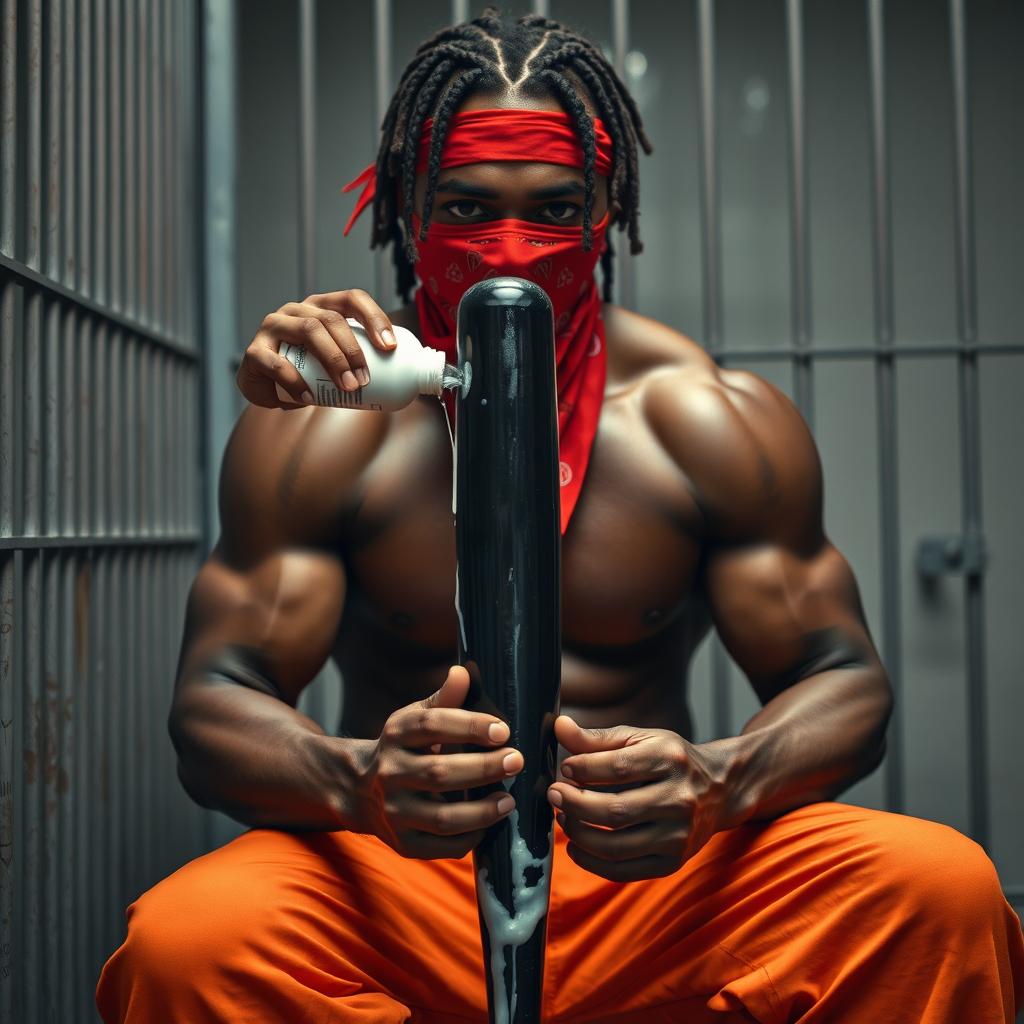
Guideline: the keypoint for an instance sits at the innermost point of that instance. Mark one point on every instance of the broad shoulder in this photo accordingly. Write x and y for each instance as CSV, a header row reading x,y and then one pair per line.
x,y
289,477
743,446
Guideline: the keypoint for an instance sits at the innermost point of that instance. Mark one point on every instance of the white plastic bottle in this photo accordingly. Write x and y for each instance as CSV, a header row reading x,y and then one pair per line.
x,y
396,377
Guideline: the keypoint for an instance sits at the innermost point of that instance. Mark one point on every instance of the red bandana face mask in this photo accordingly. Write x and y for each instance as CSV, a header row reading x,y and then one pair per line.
x,y
454,256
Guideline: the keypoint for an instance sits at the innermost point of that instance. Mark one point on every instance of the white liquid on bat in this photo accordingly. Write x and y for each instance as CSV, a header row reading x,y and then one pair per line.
x,y
506,932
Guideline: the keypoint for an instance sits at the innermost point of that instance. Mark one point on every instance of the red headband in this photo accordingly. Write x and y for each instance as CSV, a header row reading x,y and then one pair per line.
x,y
502,134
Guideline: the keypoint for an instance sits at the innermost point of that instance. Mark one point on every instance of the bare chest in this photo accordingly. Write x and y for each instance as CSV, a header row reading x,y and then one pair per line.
x,y
629,556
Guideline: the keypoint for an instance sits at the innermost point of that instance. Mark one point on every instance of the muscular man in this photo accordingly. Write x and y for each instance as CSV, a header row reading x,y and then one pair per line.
x,y
752,894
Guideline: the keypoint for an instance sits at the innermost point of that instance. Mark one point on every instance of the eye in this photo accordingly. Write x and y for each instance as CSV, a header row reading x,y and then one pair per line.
x,y
464,209
560,212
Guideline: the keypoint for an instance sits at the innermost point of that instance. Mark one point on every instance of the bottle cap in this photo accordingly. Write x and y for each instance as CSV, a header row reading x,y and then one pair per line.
x,y
431,369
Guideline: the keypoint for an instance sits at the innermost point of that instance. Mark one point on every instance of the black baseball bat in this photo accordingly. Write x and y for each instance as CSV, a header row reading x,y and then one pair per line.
x,y
508,598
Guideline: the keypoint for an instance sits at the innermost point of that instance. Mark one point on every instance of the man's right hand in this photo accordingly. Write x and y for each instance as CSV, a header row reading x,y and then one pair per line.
x,y
405,772
319,324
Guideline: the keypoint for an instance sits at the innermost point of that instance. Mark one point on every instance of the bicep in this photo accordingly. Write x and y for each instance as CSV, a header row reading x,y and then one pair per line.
x,y
265,608
784,615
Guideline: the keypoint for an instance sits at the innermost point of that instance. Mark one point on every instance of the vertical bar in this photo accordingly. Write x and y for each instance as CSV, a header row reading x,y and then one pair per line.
x,y
53,371
10,390
383,277
175,160
801,304
114,226
542,7
68,274
8,684
156,176
970,427
168,164
218,190
712,289
103,200
885,385
48,719
9,130
33,194
67,790
130,225
307,146
31,426
626,276
54,162
84,103
31,889
144,310
460,11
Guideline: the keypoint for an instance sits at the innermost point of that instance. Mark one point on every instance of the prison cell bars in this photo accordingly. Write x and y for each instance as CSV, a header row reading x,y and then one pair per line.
x,y
99,531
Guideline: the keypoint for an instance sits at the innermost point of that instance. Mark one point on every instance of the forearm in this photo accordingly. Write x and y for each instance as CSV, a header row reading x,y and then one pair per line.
x,y
256,758
810,743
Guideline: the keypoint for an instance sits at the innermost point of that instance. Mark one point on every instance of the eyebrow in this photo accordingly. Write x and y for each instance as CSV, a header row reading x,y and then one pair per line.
x,y
566,188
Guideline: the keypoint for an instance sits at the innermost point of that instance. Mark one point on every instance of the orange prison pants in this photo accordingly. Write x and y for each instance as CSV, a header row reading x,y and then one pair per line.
x,y
830,912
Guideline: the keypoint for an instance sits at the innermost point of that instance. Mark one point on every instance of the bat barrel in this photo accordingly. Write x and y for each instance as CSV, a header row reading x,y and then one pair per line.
x,y
508,596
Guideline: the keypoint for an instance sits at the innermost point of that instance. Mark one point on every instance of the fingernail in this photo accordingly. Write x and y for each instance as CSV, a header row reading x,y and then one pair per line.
x,y
307,398
497,732
505,804
364,375
348,378
511,763
555,797
567,770
388,338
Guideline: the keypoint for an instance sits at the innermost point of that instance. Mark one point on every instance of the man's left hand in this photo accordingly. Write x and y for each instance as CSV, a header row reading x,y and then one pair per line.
x,y
668,801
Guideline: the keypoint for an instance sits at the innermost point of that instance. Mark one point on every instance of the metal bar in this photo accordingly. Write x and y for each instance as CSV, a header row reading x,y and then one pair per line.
x,y
970,428
460,11
31,889
383,276
84,168
709,214
101,157
8,685
711,293
130,153
31,199
868,351
156,170
307,147
47,718
217,195
176,161
69,272
114,225
9,194
542,7
28,276
172,214
99,433
307,199
626,276
885,389
801,285
30,436
53,98
10,391
143,206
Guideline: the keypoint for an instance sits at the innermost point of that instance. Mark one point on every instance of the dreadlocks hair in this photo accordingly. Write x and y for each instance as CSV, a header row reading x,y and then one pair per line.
x,y
534,56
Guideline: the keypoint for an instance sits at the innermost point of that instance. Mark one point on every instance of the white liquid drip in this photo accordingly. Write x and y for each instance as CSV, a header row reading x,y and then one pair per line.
x,y
506,932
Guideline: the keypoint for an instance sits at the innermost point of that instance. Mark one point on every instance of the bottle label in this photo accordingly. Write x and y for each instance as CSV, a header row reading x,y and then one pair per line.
x,y
325,392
